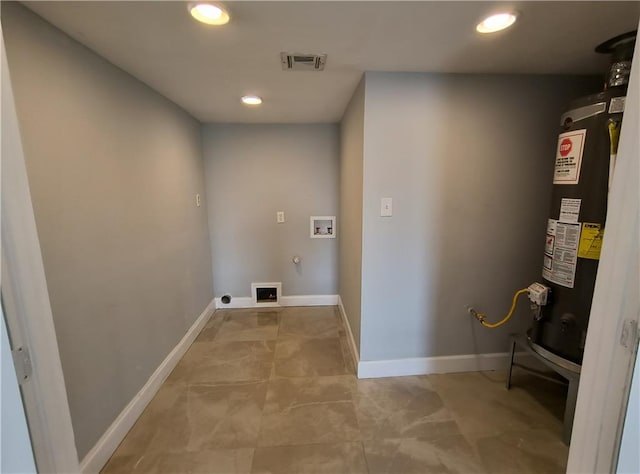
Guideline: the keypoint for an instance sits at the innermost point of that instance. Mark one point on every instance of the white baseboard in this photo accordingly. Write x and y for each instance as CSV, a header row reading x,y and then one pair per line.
x,y
352,342
432,365
301,300
96,459
236,302
309,300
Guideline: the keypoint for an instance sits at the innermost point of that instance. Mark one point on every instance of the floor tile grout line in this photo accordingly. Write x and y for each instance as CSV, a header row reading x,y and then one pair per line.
x,y
266,393
328,443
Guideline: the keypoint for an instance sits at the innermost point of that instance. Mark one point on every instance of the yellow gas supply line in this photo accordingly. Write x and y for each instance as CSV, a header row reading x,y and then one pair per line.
x,y
481,316
614,138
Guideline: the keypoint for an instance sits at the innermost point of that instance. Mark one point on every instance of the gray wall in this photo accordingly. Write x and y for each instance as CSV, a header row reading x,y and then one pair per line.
x,y
253,171
350,254
628,457
113,169
468,162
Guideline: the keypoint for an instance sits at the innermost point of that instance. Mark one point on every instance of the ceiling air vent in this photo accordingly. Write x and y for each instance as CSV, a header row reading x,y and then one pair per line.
x,y
302,62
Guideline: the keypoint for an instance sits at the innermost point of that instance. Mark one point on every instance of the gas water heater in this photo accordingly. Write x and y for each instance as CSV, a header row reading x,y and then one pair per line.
x,y
584,164
585,159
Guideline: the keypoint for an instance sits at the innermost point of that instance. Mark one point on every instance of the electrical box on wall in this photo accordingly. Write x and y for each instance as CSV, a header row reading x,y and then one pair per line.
x,y
323,227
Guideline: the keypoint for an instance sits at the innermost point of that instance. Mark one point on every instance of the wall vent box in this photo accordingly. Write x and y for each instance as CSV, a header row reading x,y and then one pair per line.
x,y
323,227
266,294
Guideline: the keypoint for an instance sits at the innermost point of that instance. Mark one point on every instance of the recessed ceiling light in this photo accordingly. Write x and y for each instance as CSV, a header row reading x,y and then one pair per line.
x,y
251,100
209,13
496,22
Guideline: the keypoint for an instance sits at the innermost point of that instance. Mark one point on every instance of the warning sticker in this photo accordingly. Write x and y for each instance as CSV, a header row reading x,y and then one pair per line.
x,y
569,210
567,235
551,237
549,245
591,241
569,157
561,252
616,106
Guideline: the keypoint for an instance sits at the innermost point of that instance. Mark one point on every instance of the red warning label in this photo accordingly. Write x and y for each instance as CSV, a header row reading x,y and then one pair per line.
x,y
569,157
549,244
565,146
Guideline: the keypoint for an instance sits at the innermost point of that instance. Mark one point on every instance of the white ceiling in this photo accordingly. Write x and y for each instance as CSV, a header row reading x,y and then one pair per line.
x,y
206,69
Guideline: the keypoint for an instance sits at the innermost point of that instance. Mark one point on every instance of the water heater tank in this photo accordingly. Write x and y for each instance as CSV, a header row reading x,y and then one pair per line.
x,y
585,157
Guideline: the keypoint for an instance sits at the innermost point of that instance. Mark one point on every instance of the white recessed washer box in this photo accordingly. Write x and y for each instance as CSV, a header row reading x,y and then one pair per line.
x,y
323,227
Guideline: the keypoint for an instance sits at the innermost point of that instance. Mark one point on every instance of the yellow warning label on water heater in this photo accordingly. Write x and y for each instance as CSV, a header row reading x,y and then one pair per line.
x,y
590,241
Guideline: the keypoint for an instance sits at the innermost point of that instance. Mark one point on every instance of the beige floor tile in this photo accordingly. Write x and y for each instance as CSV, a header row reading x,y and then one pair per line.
x,y
346,458
551,396
233,361
121,464
449,454
221,461
167,400
481,405
225,416
309,357
538,451
209,417
307,411
309,322
210,330
401,407
249,326
281,381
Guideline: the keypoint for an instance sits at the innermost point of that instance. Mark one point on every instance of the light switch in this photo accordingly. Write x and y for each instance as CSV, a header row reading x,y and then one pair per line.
x,y
386,207
280,217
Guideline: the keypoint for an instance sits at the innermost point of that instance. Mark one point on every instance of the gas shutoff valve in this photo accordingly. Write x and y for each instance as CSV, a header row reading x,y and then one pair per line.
x,y
538,293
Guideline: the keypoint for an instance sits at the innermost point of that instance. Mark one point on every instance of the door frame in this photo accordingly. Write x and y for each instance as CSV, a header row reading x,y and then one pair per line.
x,y
612,337
27,306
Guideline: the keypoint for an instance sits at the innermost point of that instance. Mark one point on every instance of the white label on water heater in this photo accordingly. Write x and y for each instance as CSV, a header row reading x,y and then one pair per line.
x,y
561,252
569,210
550,243
569,157
616,106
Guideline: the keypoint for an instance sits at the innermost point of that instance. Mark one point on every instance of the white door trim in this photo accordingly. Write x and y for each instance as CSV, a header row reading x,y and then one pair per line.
x,y
16,450
28,308
607,367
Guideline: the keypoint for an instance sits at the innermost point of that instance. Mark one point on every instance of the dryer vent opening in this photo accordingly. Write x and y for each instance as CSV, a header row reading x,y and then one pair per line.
x,y
266,293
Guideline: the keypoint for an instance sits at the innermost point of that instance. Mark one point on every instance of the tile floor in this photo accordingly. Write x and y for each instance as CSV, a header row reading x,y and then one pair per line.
x,y
274,391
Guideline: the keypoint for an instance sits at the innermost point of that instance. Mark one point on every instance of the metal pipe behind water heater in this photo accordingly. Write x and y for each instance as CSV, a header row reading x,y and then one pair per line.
x,y
585,159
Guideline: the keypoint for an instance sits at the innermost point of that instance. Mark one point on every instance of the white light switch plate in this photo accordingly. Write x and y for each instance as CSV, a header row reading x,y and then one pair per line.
x,y
386,207
280,217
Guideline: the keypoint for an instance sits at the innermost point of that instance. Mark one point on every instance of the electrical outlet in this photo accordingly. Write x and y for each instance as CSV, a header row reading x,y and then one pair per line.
x,y
280,217
197,200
